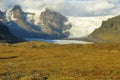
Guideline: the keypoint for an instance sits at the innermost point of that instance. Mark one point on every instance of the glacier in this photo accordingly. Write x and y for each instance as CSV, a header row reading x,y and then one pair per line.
x,y
83,26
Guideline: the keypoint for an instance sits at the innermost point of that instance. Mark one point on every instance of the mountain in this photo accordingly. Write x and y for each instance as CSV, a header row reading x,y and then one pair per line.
x,y
19,26
6,36
51,24
54,24
108,32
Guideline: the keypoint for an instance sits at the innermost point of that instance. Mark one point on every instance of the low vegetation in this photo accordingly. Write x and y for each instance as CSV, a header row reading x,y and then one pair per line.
x,y
46,61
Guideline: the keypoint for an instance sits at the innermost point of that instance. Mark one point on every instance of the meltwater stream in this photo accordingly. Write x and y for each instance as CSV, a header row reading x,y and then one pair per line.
x,y
59,41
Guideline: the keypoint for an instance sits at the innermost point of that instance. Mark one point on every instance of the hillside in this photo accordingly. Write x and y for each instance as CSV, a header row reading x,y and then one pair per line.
x,y
108,32
6,36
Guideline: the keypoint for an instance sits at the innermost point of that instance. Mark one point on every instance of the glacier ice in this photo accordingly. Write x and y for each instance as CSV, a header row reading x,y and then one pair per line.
x,y
83,26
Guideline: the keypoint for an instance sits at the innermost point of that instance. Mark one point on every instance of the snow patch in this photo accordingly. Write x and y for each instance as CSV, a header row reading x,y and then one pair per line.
x,y
10,16
36,16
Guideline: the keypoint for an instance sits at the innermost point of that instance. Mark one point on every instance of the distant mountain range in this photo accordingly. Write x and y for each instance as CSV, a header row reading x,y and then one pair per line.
x,y
51,24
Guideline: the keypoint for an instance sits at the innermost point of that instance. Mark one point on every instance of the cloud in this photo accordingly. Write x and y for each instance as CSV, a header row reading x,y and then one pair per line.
x,y
69,7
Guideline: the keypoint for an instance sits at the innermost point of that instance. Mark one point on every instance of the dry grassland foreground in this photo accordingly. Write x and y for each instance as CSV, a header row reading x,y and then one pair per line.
x,y
47,61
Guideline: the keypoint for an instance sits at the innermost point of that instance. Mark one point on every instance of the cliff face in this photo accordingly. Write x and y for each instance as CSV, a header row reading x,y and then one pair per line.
x,y
6,36
53,24
108,32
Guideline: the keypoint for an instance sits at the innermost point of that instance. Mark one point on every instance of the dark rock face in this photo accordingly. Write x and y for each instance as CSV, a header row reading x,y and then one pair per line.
x,y
22,32
18,13
6,36
108,32
53,24
2,17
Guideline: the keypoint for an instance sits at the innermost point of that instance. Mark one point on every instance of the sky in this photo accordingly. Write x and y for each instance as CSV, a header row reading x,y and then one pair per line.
x,y
68,7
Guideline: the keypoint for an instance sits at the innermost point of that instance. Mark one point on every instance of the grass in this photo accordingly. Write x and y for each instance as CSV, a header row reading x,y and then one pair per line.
x,y
46,61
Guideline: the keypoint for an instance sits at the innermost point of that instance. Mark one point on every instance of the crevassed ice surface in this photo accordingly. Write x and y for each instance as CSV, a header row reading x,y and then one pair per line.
x,y
83,26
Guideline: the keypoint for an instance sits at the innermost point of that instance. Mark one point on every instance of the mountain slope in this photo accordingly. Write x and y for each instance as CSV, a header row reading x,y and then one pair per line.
x,y
54,24
6,36
108,32
19,26
51,25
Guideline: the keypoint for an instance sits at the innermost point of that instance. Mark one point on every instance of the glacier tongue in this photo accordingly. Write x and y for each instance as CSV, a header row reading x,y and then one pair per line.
x,y
83,26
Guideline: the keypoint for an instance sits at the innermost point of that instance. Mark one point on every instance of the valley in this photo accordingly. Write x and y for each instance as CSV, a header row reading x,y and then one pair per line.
x,y
40,40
